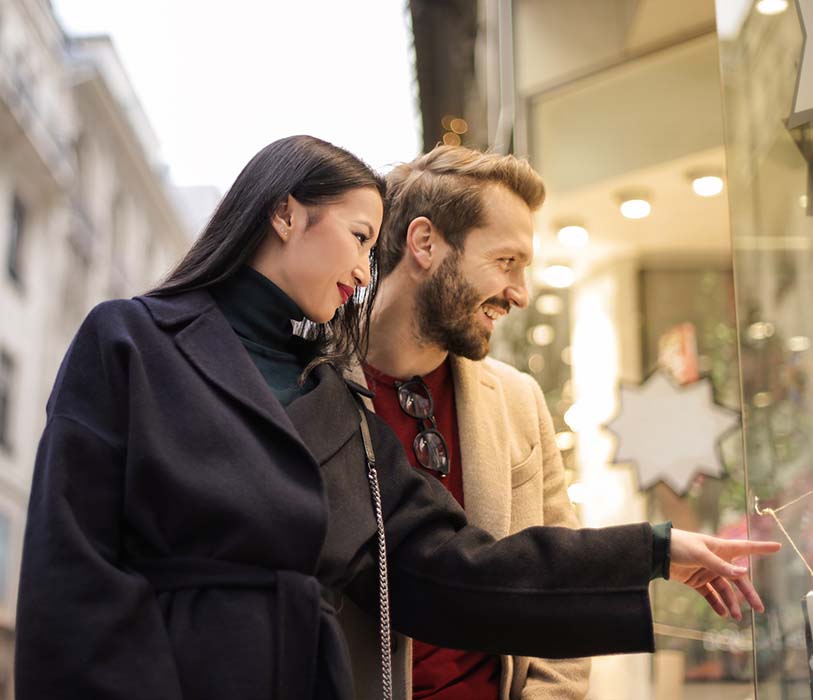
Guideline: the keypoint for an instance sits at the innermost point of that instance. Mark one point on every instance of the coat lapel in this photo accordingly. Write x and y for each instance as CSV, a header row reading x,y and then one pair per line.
x,y
336,409
483,449
207,340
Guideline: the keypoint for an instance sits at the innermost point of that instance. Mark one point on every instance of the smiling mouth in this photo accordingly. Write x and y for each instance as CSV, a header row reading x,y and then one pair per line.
x,y
493,314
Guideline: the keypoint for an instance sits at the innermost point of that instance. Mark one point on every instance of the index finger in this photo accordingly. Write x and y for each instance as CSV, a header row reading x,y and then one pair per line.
x,y
743,547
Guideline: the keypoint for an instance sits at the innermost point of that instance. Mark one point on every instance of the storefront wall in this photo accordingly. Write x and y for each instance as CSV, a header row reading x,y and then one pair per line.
x,y
625,97
772,232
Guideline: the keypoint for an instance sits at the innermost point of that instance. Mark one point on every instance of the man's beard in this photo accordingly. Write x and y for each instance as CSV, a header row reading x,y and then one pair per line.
x,y
446,309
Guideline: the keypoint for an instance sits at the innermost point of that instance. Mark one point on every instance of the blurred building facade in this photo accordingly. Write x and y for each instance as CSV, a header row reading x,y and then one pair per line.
x,y
85,215
618,100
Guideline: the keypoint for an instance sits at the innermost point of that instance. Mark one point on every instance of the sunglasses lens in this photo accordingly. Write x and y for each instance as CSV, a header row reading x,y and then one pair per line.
x,y
430,450
415,400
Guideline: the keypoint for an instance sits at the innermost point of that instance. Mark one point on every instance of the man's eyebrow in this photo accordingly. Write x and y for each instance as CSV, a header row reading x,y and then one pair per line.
x,y
364,223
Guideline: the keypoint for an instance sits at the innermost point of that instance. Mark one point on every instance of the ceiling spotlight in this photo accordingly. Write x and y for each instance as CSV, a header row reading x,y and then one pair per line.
x,y
798,343
772,7
707,185
543,334
565,440
558,276
549,304
577,493
573,236
635,208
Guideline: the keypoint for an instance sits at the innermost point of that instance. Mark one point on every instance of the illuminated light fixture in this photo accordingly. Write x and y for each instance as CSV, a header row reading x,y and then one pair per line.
x,y
576,492
798,343
635,208
459,126
566,355
543,334
558,276
536,363
761,330
707,185
772,7
574,418
549,304
762,399
450,138
573,236
565,440
803,201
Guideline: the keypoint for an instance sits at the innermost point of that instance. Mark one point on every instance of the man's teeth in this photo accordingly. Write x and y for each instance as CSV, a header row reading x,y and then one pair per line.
x,y
493,315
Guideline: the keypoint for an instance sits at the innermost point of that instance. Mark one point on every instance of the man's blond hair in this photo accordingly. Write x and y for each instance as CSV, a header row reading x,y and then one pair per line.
x,y
445,185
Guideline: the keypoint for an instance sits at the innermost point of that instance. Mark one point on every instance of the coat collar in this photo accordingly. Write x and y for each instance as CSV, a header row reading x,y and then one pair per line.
x,y
319,422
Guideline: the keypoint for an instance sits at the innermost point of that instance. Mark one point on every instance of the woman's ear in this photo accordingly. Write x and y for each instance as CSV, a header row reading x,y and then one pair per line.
x,y
281,218
289,218
421,242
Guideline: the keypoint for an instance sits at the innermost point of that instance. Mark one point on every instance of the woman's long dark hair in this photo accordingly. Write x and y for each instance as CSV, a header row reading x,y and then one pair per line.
x,y
312,171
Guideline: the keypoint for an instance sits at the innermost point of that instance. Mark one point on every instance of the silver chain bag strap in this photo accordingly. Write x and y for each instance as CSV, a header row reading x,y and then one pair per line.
x,y
383,584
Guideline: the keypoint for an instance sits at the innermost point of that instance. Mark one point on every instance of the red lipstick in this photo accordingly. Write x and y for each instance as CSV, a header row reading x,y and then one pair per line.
x,y
346,291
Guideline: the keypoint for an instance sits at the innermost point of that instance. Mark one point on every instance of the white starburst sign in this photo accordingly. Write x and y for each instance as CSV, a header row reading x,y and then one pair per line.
x,y
671,433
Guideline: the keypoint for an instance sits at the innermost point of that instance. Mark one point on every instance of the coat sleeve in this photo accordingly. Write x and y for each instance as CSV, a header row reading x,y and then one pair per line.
x,y
86,628
547,679
545,591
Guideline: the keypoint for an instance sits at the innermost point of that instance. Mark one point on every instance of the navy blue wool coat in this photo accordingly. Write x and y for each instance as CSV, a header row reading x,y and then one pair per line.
x,y
185,530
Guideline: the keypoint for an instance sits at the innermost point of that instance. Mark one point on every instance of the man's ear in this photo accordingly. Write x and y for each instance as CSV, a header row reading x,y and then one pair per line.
x,y
422,240
289,217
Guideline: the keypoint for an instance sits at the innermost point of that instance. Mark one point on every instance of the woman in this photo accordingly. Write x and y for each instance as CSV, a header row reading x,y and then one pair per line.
x,y
196,507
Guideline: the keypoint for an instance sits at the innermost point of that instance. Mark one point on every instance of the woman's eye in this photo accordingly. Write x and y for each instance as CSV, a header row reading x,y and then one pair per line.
x,y
361,238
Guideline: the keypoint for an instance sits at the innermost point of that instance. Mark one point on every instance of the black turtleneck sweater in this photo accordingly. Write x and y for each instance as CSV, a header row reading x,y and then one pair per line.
x,y
261,315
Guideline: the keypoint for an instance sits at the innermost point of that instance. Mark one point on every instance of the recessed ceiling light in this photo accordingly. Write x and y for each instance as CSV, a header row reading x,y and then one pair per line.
x,y
707,185
549,304
636,208
573,236
558,276
577,493
772,7
565,440
536,363
543,334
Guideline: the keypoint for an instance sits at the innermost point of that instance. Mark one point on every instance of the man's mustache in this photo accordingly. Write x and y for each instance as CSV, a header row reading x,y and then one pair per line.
x,y
499,303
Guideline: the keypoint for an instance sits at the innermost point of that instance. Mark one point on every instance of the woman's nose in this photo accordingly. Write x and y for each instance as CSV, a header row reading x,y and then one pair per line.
x,y
361,274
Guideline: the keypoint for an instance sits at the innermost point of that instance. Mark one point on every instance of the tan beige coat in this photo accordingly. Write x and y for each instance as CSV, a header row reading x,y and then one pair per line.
x,y
512,478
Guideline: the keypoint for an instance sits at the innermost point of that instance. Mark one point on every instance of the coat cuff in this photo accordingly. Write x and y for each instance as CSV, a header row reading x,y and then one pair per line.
x,y
661,544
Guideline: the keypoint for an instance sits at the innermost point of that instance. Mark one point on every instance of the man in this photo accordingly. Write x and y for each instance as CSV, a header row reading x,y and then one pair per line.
x,y
454,251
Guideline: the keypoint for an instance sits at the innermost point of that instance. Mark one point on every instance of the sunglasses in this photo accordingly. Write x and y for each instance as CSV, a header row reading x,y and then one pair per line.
x,y
429,445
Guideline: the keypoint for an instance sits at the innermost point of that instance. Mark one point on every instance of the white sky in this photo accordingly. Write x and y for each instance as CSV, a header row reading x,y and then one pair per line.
x,y
219,80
